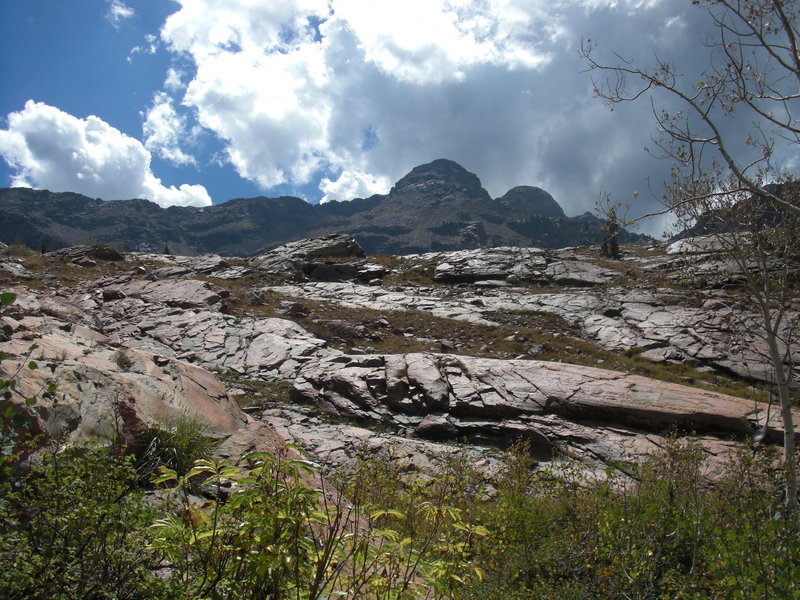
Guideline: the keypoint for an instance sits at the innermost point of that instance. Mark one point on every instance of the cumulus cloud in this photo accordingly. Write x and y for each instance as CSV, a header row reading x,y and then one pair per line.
x,y
273,80
297,89
431,41
51,149
353,184
118,11
164,130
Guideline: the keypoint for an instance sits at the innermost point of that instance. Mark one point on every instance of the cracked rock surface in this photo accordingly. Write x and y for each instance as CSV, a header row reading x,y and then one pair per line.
x,y
656,322
149,342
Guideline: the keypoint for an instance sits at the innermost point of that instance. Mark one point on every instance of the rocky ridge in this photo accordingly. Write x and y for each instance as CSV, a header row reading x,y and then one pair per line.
x,y
436,206
158,336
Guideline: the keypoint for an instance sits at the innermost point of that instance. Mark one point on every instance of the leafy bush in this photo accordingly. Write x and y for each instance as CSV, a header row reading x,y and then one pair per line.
x,y
666,533
753,549
76,528
276,537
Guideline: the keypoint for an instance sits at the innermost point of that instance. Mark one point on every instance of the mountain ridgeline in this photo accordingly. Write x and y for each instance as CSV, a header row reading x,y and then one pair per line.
x,y
436,207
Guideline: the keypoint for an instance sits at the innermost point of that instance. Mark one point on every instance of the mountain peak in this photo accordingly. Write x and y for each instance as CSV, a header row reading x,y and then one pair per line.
x,y
440,178
529,200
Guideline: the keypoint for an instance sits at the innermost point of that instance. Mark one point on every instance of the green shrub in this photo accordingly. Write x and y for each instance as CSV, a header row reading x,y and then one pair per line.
x,y
75,528
276,537
666,533
754,547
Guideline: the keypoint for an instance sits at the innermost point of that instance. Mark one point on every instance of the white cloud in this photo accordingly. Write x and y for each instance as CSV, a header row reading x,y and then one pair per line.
x,y
270,109
51,149
164,130
353,184
150,48
295,89
118,11
431,41
272,87
174,80
205,28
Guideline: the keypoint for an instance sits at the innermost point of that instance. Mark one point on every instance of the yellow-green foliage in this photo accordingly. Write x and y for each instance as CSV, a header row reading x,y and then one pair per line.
x,y
275,536
666,534
75,525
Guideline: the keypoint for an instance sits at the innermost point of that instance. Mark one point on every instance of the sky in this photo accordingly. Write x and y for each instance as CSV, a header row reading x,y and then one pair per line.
x,y
194,102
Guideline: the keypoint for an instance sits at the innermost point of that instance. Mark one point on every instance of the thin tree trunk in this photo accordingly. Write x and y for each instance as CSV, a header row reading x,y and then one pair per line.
x,y
784,394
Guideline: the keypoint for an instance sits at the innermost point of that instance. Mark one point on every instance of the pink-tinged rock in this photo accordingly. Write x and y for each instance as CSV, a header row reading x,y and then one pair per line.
x,y
396,371
423,374
434,427
102,388
657,405
600,415
206,395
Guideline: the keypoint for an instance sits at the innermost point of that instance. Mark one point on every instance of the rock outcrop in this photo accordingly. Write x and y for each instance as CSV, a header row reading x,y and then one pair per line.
x,y
665,325
531,265
146,344
88,255
333,257
103,388
601,415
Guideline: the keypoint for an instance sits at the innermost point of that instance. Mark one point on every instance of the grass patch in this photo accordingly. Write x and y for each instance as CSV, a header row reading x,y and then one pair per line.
x,y
18,251
406,271
176,445
258,394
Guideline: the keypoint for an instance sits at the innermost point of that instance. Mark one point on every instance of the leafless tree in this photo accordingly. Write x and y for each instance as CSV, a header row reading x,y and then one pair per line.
x,y
733,178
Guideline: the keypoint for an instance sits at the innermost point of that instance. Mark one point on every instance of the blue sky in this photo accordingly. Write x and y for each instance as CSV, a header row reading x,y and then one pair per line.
x,y
200,101
71,55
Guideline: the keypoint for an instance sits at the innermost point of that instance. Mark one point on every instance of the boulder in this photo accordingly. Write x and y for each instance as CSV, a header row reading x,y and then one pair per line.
x,y
182,293
87,255
291,258
546,267
335,257
468,266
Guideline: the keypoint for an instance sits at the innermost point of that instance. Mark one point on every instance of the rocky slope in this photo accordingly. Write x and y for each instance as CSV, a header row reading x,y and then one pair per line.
x,y
424,357
437,206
